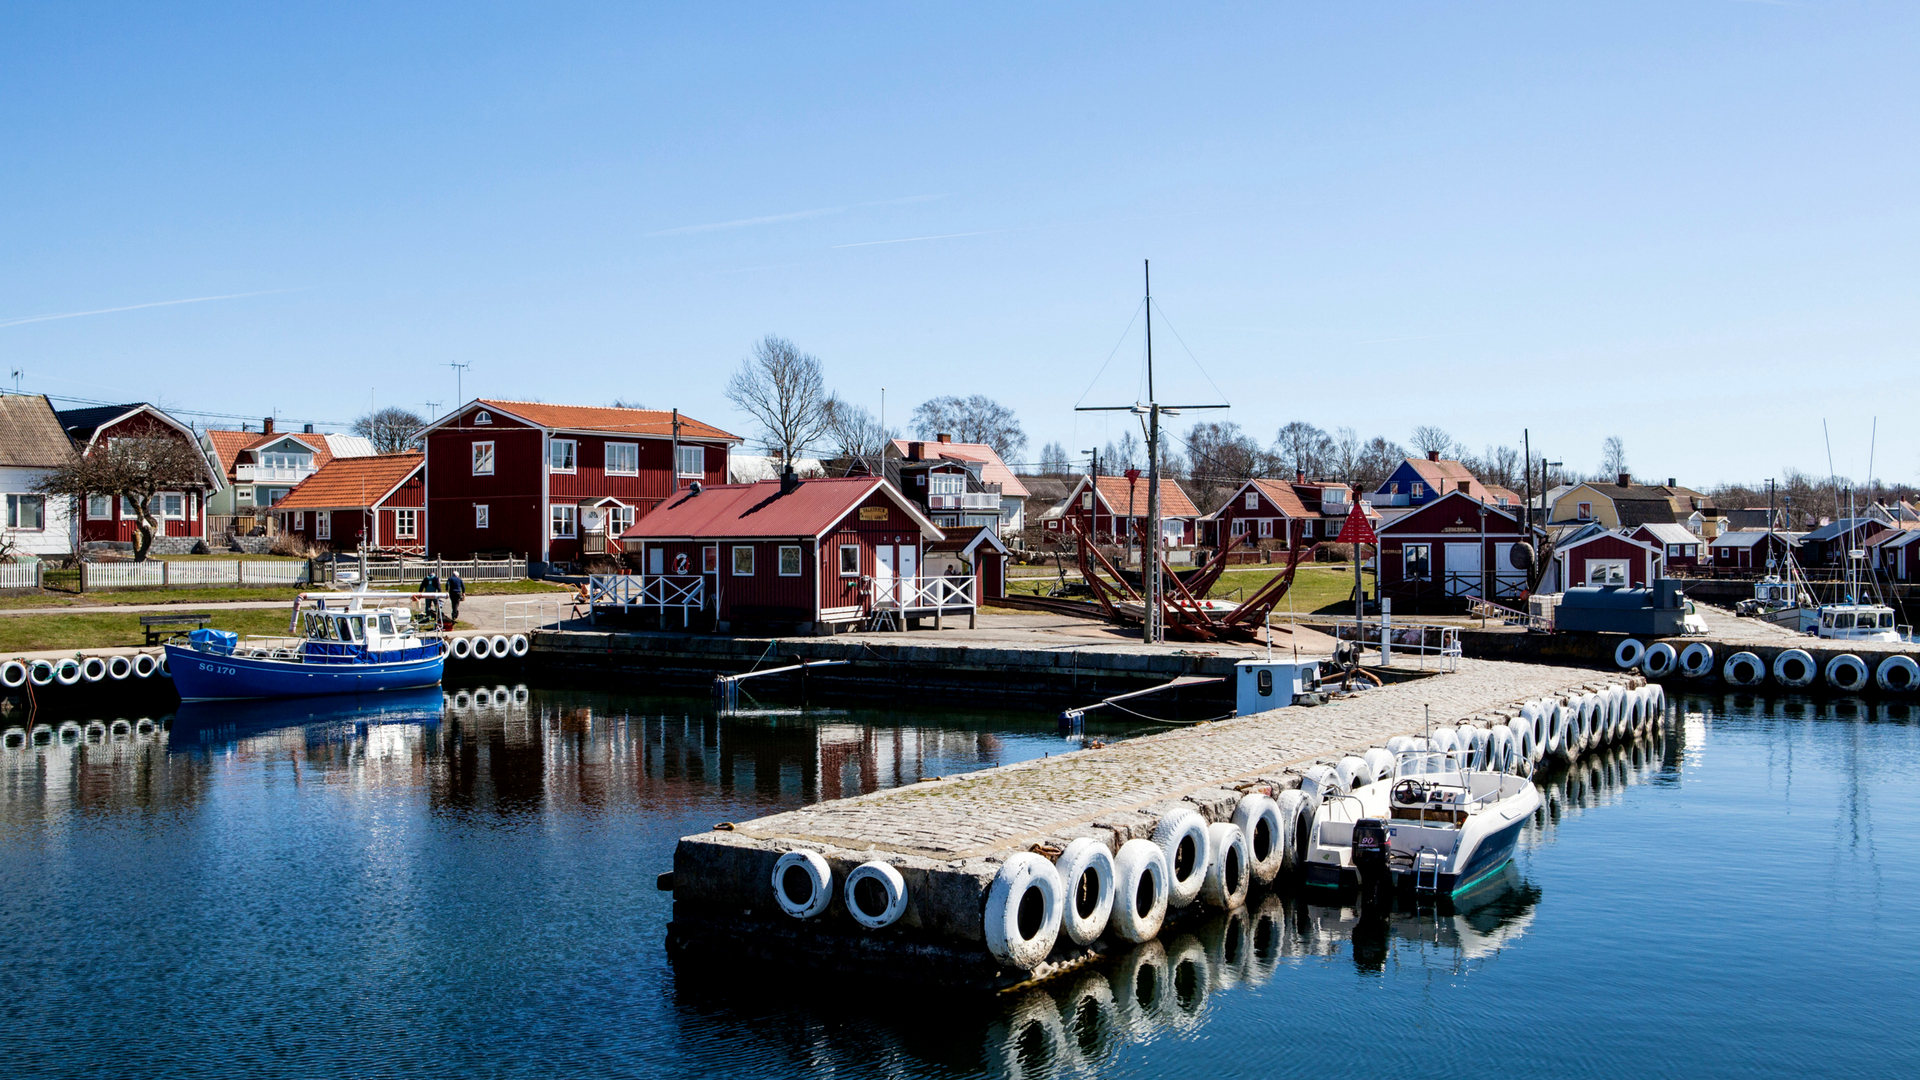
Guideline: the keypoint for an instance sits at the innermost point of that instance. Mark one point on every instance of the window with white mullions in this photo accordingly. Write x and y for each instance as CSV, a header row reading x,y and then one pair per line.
x,y
623,459
27,512
563,522
561,454
692,461
483,458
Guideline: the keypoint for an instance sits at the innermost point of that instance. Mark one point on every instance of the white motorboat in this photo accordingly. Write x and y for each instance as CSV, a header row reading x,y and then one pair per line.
x,y
1439,826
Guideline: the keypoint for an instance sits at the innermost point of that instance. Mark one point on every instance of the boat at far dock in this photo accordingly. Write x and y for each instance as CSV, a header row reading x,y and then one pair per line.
x,y
344,643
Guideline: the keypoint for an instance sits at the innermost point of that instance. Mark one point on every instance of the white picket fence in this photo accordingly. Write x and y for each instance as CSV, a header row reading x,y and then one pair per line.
x,y
164,573
407,569
21,575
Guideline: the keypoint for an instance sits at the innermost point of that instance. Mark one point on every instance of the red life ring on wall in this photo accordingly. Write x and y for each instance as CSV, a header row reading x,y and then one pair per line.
x,y
680,563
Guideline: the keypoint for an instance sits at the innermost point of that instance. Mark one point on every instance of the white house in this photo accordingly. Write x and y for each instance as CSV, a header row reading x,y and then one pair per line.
x,y
32,443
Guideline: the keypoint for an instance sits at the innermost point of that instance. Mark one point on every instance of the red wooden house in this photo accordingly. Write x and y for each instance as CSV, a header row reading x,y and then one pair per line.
x,y
976,552
1608,558
1679,549
182,514
557,481
361,502
1753,549
813,554
1451,549
1115,507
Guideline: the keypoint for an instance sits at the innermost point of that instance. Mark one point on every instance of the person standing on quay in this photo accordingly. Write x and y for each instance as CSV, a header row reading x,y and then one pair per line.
x,y
456,590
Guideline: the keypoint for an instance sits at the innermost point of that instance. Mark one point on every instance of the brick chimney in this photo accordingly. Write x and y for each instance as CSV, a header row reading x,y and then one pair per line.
x,y
1626,479
1433,455
266,426
944,437
1299,476
916,451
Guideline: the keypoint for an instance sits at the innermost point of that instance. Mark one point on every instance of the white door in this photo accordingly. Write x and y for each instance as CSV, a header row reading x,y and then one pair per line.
x,y
1463,569
909,563
1508,579
883,575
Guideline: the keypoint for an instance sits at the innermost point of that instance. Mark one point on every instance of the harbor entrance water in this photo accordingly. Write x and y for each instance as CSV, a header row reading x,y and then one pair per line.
x,y
464,886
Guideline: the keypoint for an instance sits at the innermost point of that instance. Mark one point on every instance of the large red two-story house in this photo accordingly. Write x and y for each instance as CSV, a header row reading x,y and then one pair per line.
x,y
555,482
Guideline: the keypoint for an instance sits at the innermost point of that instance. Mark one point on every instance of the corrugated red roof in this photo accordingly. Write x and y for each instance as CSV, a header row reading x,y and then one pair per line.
x,y
349,483
726,511
1116,490
227,445
993,470
596,418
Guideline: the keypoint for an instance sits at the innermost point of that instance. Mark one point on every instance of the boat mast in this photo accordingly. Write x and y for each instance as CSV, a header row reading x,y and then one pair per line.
x,y
1150,555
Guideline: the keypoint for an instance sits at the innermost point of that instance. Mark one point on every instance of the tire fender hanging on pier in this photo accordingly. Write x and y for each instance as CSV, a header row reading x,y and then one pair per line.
x,y
1847,673
1316,783
1140,890
1225,883
1182,836
876,895
1500,755
1086,873
1628,653
1259,820
13,674
460,648
144,665
1659,661
1795,668
1023,911
1295,820
802,884
1696,660
1898,674
1743,669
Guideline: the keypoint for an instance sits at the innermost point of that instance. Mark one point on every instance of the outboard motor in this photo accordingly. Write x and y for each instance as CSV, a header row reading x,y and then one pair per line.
x,y
1370,855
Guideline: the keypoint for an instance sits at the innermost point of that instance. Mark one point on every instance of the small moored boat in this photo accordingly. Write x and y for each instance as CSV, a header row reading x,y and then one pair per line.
x,y
346,644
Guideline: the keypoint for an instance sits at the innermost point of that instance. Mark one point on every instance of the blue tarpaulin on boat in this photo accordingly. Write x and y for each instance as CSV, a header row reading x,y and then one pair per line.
x,y
218,642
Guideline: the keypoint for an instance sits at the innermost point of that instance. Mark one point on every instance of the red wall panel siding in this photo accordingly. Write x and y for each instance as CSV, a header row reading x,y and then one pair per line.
x,y
516,519
767,595
127,530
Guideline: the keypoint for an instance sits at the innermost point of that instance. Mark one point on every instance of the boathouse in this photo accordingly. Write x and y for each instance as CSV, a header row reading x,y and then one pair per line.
x,y
1680,549
814,555
1608,558
1752,549
1451,550
556,482
356,503
182,513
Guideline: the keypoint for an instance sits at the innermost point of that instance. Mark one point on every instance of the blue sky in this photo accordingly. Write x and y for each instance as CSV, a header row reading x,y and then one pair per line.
x,y
1690,223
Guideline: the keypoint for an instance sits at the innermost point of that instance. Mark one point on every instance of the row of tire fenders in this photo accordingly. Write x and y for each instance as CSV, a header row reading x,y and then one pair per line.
x,y
72,732
1791,668
73,670
483,646
1089,890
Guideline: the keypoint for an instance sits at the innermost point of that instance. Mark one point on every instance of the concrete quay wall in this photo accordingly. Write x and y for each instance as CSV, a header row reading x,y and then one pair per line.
x,y
948,837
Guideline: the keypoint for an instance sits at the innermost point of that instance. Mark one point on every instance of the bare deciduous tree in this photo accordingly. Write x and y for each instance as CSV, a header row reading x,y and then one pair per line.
x,y
1378,459
392,430
856,434
1303,448
784,391
139,471
1123,454
1613,457
1429,439
1054,460
976,419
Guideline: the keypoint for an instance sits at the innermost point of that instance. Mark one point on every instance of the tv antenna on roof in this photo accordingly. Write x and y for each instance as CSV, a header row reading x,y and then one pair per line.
x,y
459,372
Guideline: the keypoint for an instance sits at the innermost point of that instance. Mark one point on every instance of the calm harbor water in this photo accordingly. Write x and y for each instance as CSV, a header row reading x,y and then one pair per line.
x,y
465,887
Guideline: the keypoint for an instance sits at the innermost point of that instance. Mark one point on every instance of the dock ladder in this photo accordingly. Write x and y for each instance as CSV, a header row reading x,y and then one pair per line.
x,y
1426,870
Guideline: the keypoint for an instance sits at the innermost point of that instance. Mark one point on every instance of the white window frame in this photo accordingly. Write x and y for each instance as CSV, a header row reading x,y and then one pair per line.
x,y
100,507
13,513
700,462
480,515
1086,501
1583,511
710,559
624,449
844,571
1419,490
1613,568
167,513
483,454
323,524
1406,562
483,417
128,512
738,571
563,515
619,520
1253,500
406,524
299,520
572,455
799,561
1266,528
242,496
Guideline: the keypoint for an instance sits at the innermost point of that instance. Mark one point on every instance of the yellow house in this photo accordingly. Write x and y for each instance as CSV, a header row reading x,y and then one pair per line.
x,y
1625,504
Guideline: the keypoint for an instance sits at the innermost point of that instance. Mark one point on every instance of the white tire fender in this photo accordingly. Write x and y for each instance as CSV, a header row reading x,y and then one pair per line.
x,y
519,645
802,884
1139,891
1696,660
1847,672
144,665
1023,911
1182,836
93,668
502,647
1743,669
1226,881
1086,873
876,895
1659,660
1795,668
1293,810
1898,673
1382,762
1629,653
460,648
13,674
119,667
1500,748
1259,821
66,671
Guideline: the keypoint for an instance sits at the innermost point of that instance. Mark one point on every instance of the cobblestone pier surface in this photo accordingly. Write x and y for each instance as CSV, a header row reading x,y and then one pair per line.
x,y
948,837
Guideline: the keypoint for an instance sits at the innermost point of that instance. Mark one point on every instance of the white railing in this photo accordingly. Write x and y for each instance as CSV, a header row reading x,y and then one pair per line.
x,y
272,474
923,594
21,575
1484,609
683,594
1437,640
687,594
401,569
527,616
613,590
193,573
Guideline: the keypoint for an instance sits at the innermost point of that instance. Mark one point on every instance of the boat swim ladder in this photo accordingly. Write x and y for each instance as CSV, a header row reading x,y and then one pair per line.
x,y
1426,870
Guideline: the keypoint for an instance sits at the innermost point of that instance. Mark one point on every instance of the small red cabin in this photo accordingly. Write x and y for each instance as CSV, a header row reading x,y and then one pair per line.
x,y
1679,549
812,554
1450,550
1609,558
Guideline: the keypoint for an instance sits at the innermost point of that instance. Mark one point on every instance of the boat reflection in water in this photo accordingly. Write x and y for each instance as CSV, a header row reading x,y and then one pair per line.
x,y
199,723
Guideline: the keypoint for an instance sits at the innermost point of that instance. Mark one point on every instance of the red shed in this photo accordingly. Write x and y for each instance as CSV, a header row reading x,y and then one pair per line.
x,y
817,554
370,502
1609,558
1680,549
1454,547
975,552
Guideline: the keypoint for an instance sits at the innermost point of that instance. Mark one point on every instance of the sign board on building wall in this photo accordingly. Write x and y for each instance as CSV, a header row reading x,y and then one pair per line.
x,y
873,513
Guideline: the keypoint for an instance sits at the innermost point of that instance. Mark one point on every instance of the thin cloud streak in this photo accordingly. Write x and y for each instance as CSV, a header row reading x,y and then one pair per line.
x,y
917,239
138,307
797,215
1385,340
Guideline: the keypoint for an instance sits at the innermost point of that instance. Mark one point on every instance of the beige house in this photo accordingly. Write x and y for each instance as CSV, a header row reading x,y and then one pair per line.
x,y
1624,504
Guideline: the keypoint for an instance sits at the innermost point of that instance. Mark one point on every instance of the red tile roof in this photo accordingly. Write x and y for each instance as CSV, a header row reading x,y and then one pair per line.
x,y
595,418
350,483
228,445
1281,494
1444,476
1173,502
994,471
726,511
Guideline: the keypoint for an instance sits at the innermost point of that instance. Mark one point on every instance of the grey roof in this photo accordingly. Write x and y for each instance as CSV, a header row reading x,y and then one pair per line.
x,y
1833,529
1739,538
1635,512
30,433
1669,534
82,423
1748,518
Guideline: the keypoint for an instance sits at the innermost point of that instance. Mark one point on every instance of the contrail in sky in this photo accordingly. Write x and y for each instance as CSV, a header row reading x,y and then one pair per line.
x,y
797,215
137,307
913,239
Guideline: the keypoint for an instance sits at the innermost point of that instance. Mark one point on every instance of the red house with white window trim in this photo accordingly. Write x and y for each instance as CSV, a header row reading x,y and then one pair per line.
x,y
555,482
182,514
1450,550
1608,558
372,503
1113,508
815,554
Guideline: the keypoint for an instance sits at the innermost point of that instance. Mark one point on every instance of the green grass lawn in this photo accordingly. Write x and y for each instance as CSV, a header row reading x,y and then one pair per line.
x,y
1316,588
96,630
231,594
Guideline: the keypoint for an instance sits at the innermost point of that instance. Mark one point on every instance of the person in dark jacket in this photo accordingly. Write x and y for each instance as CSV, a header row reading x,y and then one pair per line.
x,y
431,584
456,591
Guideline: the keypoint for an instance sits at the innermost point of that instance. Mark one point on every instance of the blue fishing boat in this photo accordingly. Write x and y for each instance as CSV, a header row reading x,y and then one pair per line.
x,y
342,644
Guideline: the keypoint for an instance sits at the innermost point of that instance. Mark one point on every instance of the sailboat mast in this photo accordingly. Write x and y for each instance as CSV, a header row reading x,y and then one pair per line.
x,y
1154,630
